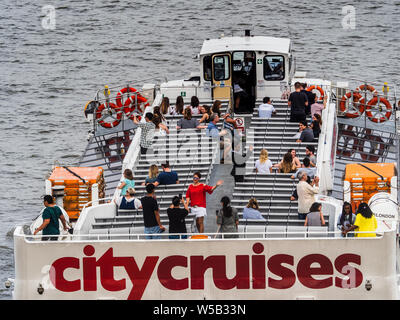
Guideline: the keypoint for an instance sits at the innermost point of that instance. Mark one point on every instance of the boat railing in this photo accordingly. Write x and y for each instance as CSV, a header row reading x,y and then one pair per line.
x,y
237,236
95,202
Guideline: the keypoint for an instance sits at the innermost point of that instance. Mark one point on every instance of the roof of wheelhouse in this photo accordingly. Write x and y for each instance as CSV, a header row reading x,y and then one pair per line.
x,y
246,43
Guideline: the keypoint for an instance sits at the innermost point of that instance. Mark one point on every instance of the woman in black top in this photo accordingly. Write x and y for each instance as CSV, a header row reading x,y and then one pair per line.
x,y
176,216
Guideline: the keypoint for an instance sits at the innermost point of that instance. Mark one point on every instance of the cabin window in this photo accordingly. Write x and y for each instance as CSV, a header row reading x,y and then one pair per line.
x,y
207,67
221,68
274,68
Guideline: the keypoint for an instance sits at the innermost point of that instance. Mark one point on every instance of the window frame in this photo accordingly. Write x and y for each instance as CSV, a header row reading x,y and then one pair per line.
x,y
226,68
284,67
204,67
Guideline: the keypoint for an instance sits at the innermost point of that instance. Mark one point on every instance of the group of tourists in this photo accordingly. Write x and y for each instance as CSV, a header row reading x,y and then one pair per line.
x,y
301,102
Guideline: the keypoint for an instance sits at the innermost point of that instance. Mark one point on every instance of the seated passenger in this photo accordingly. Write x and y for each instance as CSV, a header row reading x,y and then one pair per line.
x,y
263,164
176,216
311,171
212,129
187,122
128,201
167,176
153,174
194,105
315,218
307,134
266,109
164,106
128,181
216,107
310,150
252,211
179,106
286,165
205,111
346,219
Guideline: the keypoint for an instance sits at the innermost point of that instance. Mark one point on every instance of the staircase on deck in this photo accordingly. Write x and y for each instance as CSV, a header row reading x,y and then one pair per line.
x,y
272,191
188,151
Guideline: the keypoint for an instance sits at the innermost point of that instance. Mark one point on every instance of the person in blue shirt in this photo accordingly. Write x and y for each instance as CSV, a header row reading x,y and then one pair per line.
x,y
128,182
252,211
167,176
212,129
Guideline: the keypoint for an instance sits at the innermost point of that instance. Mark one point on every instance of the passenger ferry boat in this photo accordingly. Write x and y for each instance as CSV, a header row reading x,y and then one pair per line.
x,y
107,255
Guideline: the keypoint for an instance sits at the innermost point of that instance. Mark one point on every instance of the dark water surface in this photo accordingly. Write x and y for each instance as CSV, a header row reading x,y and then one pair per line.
x,y
47,76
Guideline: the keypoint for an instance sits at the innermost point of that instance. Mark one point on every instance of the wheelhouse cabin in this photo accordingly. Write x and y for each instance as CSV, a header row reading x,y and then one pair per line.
x,y
261,66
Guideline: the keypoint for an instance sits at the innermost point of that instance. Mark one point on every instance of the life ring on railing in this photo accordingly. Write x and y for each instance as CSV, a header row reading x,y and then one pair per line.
x,y
347,135
111,107
358,105
130,103
374,116
364,87
118,99
374,141
321,91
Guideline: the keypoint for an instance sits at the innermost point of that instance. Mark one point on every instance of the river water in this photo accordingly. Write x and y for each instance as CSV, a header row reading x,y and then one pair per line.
x,y
49,71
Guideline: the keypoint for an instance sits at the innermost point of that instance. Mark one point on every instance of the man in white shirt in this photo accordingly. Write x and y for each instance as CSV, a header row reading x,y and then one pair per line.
x,y
266,110
306,194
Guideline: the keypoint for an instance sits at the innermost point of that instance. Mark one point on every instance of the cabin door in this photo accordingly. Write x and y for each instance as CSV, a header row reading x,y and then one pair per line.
x,y
222,78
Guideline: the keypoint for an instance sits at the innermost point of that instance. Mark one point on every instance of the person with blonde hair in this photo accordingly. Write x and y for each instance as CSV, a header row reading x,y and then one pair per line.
x,y
263,164
128,201
153,174
252,210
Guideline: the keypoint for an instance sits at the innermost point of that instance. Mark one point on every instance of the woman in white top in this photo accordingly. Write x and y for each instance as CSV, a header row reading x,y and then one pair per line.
x,y
263,164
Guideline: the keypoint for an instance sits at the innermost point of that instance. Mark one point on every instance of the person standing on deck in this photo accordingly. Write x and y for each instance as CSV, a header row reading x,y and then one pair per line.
x,y
365,221
196,196
50,225
309,96
151,216
297,103
148,131
306,194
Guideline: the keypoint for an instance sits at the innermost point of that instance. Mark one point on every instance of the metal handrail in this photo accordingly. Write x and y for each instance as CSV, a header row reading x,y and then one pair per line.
x,y
238,236
98,200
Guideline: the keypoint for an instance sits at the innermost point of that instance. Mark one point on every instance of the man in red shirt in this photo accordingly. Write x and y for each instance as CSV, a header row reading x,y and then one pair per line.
x,y
196,196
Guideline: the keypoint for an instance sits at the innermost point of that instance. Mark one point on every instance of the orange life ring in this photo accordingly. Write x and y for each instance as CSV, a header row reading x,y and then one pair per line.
x,y
358,105
118,99
364,87
347,135
111,106
375,116
374,141
130,103
321,91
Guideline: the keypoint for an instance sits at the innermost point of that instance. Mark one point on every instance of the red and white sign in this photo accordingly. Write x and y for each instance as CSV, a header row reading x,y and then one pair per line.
x,y
240,123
